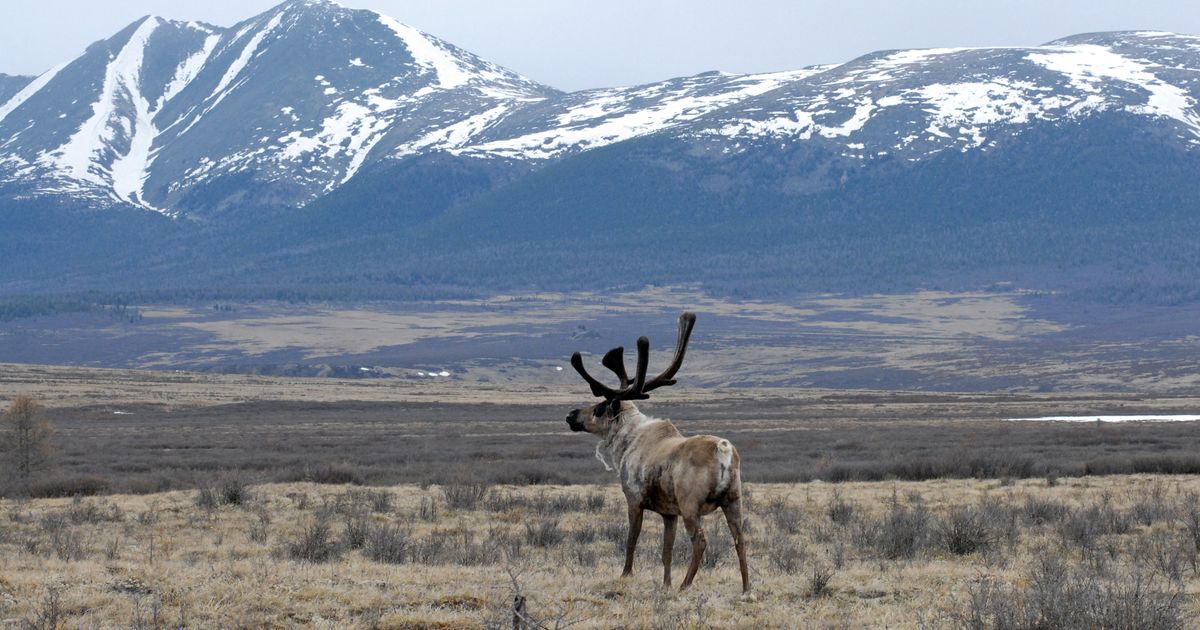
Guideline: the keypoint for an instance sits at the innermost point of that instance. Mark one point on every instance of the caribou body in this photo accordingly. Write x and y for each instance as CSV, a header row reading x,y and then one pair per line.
x,y
661,470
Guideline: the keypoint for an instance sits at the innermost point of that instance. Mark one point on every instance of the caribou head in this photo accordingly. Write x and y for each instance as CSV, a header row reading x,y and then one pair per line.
x,y
599,418
661,470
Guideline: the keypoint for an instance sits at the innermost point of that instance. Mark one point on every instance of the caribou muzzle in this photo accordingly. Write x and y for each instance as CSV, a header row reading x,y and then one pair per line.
x,y
573,420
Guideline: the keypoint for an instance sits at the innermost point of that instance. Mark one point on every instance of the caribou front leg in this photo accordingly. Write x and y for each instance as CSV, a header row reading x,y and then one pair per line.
x,y
635,530
669,522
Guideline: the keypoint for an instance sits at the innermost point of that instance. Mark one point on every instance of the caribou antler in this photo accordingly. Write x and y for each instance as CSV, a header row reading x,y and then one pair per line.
x,y
686,322
615,361
639,388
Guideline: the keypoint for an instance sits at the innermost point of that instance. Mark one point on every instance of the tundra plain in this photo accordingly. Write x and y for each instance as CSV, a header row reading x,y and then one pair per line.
x,y
215,500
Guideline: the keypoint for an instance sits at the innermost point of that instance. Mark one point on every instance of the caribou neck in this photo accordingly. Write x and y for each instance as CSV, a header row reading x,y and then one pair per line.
x,y
625,437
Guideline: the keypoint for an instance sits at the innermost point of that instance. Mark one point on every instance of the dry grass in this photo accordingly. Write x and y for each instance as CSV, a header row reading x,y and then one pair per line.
x,y
945,553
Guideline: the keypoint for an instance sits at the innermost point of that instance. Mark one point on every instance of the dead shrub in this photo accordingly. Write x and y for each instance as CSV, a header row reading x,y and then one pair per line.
x,y
964,531
585,535
544,533
428,510
88,512
719,547
584,556
358,524
1153,507
595,502
389,543
63,486
840,511
464,496
1038,511
381,501
315,543
1189,517
339,473
1057,596
786,556
50,614
1085,527
56,537
511,546
260,527
819,576
227,489
784,516
901,534
456,546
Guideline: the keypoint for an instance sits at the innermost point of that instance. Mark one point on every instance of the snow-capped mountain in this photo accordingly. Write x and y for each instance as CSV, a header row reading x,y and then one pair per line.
x,y
916,103
186,118
273,111
315,136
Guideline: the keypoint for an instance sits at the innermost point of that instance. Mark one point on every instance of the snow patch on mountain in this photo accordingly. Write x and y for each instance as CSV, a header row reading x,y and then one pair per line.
x,y
454,136
34,87
895,66
81,158
353,129
961,97
428,53
235,70
1089,66
187,71
608,116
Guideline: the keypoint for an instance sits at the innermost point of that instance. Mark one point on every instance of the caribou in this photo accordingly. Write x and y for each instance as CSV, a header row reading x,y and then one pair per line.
x,y
660,469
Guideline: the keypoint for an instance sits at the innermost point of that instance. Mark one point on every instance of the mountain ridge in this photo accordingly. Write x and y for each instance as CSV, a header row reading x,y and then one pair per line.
x,y
313,142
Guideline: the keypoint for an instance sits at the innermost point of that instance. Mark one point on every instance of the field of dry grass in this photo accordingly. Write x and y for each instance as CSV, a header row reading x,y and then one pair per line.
x,y
1116,551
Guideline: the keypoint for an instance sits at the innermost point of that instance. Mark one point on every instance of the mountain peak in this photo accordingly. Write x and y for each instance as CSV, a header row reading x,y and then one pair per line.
x,y
1110,38
308,6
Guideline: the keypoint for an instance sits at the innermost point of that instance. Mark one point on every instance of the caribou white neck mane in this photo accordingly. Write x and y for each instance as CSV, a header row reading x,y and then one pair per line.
x,y
622,433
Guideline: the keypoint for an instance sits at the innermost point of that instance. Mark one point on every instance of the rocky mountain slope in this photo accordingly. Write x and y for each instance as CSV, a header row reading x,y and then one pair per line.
x,y
315,142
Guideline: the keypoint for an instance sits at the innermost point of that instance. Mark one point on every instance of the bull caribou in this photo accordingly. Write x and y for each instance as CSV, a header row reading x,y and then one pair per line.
x,y
660,469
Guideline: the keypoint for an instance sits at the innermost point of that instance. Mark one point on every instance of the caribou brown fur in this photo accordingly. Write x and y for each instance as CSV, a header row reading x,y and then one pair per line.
x,y
661,470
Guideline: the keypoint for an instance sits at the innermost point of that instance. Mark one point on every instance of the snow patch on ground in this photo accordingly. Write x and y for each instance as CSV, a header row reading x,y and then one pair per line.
x,y
1138,418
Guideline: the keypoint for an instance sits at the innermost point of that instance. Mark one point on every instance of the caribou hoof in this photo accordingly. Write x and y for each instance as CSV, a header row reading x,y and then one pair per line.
x,y
749,597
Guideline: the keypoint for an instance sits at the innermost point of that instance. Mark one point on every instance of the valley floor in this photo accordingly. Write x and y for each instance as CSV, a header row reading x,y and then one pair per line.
x,y
1118,550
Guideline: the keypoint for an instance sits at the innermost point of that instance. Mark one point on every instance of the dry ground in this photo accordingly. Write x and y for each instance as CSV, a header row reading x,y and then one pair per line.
x,y
452,557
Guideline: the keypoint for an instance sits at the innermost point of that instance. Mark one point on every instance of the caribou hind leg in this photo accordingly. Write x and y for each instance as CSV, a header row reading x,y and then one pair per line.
x,y
695,529
635,530
669,522
733,517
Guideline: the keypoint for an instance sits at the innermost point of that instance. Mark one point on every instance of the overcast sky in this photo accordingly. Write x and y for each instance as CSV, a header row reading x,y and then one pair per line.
x,y
572,44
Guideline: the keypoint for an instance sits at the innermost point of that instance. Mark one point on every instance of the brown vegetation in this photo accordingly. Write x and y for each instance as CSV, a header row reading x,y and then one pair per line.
x,y
1117,552
842,437
24,442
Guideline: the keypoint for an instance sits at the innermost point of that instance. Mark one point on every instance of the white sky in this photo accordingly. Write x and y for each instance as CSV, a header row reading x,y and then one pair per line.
x,y
571,44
